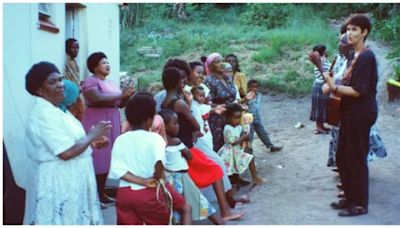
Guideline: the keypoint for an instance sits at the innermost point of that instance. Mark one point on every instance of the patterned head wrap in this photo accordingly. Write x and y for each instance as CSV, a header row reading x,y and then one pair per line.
x,y
209,61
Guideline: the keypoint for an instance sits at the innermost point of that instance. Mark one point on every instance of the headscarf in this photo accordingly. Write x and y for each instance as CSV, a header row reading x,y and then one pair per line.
x,y
209,61
71,93
37,75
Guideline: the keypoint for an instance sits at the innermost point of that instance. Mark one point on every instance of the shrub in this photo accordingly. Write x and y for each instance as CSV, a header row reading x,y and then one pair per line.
x,y
268,15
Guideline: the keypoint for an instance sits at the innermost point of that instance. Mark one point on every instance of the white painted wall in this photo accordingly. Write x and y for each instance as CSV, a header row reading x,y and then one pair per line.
x,y
103,22
24,45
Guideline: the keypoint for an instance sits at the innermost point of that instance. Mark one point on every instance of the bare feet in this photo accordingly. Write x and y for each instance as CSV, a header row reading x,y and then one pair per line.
x,y
243,199
258,180
233,216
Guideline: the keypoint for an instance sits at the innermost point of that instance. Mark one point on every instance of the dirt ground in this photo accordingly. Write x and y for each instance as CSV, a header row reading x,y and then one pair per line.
x,y
299,185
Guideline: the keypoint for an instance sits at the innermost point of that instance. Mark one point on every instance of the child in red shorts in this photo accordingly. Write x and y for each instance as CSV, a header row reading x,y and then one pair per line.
x,y
137,160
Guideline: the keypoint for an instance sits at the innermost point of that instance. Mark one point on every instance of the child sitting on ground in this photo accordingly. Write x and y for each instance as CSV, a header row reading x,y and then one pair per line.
x,y
138,158
177,155
236,160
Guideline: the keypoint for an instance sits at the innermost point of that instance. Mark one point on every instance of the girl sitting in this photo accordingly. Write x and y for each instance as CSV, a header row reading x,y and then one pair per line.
x,y
177,157
236,160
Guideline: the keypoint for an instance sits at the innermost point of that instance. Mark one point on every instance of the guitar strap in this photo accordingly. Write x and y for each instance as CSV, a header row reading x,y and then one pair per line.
x,y
349,70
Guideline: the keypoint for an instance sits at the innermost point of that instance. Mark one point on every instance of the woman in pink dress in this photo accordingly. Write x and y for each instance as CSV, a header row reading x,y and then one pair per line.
x,y
103,98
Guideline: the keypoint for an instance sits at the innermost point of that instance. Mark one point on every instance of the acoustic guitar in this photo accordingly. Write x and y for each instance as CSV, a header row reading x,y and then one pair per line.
x,y
333,107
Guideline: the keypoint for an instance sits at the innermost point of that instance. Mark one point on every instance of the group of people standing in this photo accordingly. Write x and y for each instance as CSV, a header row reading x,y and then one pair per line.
x,y
178,151
352,79
185,146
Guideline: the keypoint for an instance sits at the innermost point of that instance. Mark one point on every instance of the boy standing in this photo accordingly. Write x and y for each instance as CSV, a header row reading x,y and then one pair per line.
x,y
257,126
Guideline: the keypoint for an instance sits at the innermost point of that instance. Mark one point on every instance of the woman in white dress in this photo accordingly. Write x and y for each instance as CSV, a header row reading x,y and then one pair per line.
x,y
65,183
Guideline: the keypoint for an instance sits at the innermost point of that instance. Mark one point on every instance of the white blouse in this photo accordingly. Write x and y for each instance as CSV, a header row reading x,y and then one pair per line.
x,y
50,131
175,160
136,152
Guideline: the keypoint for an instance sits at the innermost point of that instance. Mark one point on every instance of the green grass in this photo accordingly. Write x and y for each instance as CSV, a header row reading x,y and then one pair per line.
x,y
221,31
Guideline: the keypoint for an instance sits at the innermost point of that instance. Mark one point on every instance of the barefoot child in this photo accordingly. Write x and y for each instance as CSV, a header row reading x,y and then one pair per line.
x,y
138,159
201,110
236,160
177,155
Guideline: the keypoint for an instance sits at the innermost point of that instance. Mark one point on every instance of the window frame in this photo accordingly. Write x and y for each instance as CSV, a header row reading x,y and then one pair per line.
x,y
44,19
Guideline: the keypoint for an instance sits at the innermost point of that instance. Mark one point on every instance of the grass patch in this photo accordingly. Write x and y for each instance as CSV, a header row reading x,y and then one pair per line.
x,y
291,83
275,56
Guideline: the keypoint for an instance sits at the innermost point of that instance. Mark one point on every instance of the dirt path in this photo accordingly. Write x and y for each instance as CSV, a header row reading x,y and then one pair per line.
x,y
300,186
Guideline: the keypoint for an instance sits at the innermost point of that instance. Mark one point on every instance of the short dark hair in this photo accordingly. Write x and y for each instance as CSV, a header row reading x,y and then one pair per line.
x,y
194,64
180,64
171,77
237,69
361,21
38,73
251,82
232,108
196,88
68,43
343,29
320,48
94,60
166,114
140,108
203,59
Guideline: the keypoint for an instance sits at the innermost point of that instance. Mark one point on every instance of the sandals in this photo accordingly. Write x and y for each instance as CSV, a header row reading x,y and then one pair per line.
x,y
339,186
342,204
320,132
353,211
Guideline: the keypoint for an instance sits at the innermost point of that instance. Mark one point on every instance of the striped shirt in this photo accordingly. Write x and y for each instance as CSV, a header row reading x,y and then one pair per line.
x,y
318,76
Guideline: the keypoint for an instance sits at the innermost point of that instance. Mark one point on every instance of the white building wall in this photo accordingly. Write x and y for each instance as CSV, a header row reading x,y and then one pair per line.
x,y
103,22
24,45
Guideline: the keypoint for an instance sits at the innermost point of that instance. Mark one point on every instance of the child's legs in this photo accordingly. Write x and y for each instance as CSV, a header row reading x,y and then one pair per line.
x,y
179,205
101,182
216,219
252,167
262,134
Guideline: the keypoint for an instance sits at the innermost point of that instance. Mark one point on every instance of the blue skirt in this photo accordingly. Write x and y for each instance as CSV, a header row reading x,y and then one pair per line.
x,y
319,104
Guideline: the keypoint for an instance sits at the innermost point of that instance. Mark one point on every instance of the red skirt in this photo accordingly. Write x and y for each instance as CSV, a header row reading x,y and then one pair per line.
x,y
202,170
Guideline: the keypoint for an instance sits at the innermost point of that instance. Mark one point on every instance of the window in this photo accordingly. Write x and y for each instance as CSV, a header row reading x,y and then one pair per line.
x,y
45,13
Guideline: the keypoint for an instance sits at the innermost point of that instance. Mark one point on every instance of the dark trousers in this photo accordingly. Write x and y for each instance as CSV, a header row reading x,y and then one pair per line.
x,y
351,157
262,133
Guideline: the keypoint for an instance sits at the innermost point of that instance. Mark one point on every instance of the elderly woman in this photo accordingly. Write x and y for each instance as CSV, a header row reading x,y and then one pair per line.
x,y
222,91
103,99
65,184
